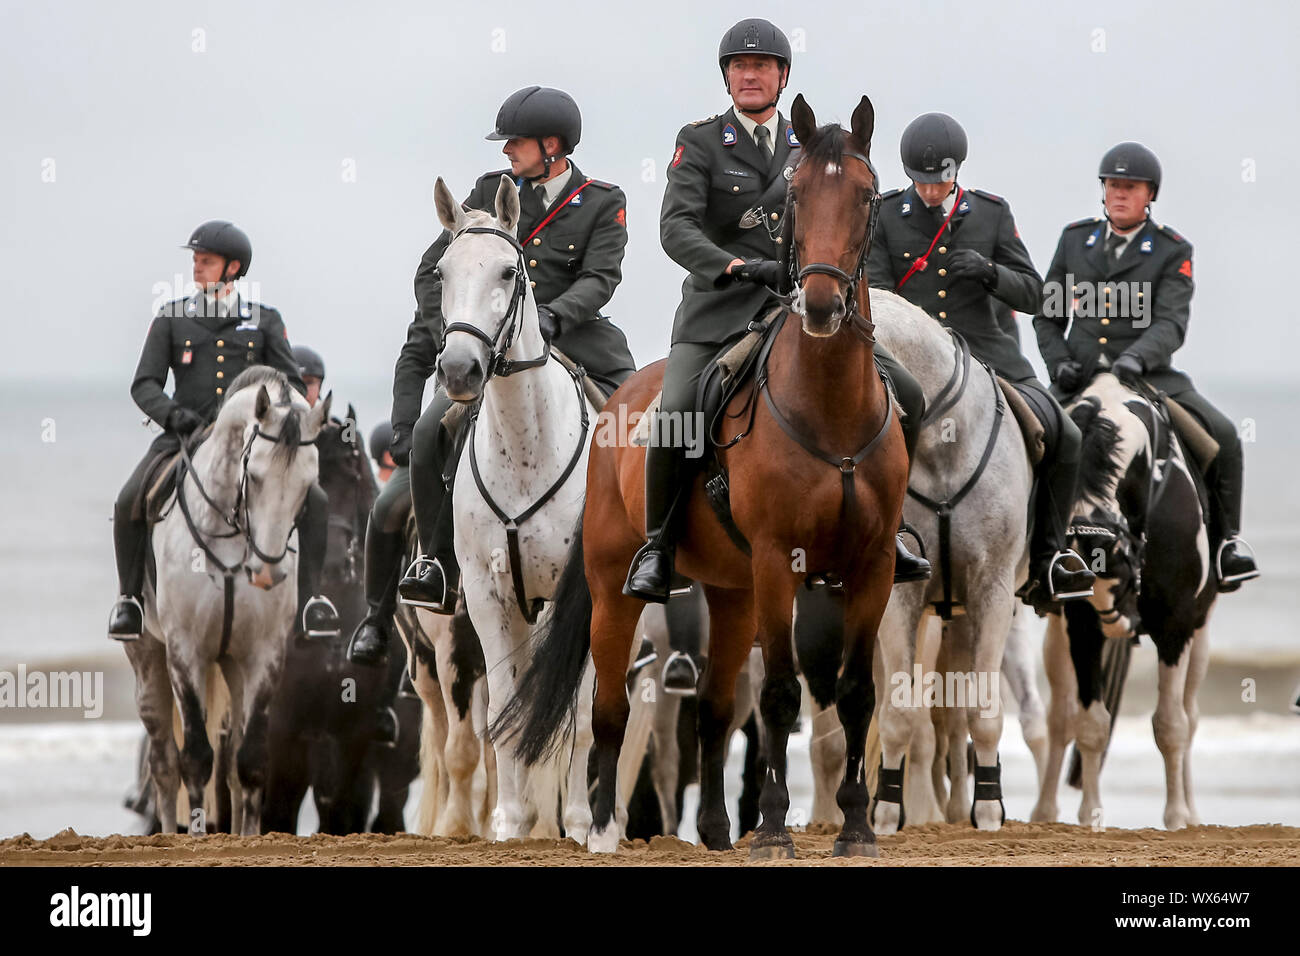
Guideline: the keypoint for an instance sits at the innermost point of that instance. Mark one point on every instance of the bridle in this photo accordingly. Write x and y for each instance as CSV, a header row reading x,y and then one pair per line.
x,y
860,323
499,364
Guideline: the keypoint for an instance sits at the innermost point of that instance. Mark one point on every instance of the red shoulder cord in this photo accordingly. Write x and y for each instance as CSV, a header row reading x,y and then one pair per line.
x,y
556,210
920,264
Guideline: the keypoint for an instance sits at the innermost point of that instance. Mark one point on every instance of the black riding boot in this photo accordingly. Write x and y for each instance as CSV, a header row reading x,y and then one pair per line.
x,y
650,576
126,620
907,566
317,617
369,645
1233,560
433,581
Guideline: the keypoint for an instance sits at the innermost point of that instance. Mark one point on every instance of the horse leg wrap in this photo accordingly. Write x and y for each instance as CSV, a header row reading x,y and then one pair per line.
x,y
889,788
988,786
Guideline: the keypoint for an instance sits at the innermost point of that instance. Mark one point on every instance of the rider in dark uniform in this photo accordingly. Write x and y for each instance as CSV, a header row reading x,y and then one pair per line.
x,y
976,268
721,220
205,341
1124,286
311,369
574,265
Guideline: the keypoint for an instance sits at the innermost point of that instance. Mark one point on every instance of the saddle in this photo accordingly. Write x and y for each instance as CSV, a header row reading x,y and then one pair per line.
x,y
1030,427
160,480
1196,439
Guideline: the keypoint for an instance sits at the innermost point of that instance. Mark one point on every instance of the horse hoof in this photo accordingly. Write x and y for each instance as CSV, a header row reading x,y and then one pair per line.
x,y
845,848
775,851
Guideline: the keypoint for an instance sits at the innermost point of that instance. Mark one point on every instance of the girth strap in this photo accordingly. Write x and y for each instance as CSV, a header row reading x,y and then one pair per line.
x,y
943,509
530,609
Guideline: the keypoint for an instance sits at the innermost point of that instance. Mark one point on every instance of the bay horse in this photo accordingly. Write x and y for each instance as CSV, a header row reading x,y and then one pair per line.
x,y
1141,521
222,596
817,490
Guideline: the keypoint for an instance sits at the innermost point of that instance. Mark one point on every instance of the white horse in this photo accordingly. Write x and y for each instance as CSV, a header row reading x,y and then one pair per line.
x,y
225,594
988,562
519,489
1140,511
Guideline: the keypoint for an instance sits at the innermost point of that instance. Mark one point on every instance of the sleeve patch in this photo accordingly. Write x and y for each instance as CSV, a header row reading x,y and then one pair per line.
x,y
620,217
677,157
1186,268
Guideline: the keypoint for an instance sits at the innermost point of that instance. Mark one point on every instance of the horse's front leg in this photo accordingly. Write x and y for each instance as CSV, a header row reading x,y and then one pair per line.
x,y
188,680
153,700
899,711
1060,715
988,620
259,677
496,626
1172,731
773,596
1196,667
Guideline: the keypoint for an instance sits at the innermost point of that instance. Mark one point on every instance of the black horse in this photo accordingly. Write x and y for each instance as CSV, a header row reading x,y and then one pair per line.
x,y
324,719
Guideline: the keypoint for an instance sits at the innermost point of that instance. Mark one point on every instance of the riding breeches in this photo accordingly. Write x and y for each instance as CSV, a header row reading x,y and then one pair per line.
x,y
1224,477
1058,472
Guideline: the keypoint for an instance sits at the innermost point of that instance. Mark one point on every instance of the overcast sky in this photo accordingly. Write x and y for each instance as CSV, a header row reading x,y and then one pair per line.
x,y
321,127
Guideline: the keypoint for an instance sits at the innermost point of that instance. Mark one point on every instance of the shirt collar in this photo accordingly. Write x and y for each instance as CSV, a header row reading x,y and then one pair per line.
x,y
553,187
223,305
948,201
1126,237
750,125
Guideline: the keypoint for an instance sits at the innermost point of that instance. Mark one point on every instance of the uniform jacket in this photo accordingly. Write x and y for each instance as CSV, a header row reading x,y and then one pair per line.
x,y
205,352
574,265
983,222
1139,305
723,201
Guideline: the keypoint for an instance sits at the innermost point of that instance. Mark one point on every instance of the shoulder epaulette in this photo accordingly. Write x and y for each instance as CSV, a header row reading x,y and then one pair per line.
x,y
603,185
1090,221
707,119
1171,233
983,194
891,194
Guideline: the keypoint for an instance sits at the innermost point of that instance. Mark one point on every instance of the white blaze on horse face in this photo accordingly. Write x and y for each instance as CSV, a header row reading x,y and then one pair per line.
x,y
833,169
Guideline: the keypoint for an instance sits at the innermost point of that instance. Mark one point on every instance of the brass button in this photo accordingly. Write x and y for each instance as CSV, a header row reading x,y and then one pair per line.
x,y
735,189
218,391
775,217
1106,290
537,242
943,272
187,341
570,247
943,249
221,358
1103,340
907,255
779,240
1074,288
1139,295
943,294
220,343
1105,321
943,315
250,344
532,263
221,375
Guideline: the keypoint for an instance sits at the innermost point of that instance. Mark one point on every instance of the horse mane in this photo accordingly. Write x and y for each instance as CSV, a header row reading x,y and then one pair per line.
x,y
1100,466
289,436
826,145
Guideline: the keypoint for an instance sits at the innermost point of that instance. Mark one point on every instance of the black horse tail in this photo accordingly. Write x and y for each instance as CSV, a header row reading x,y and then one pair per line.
x,y
541,714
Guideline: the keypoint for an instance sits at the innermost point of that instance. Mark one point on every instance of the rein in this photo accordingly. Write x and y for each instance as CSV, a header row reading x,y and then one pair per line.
x,y
231,521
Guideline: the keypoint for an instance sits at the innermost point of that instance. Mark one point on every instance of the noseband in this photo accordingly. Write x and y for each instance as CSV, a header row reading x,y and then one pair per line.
x,y
499,364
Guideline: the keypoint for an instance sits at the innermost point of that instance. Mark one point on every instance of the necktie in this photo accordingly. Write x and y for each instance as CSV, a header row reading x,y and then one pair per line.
x,y
540,190
1113,242
763,136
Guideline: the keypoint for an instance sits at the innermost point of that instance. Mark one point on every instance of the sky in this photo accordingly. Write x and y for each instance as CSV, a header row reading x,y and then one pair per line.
x,y
321,127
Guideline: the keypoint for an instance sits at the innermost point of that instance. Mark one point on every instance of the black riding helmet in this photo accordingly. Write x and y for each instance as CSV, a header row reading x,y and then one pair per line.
x,y
759,37
933,147
309,362
381,438
1131,161
536,112
224,239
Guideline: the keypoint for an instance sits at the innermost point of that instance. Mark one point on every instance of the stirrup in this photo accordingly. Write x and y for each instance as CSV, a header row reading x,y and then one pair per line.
x,y
317,600
1057,596
1218,561
413,571
647,655
128,599
694,688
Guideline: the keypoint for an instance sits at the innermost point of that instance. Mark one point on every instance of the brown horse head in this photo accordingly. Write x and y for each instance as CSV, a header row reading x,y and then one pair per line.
x,y
832,194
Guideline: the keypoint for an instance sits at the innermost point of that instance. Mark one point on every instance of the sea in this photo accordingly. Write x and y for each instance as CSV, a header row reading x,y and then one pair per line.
x,y
66,448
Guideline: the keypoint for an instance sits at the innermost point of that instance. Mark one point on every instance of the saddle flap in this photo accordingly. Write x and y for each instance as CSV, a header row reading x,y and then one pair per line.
x,y
160,480
1198,441
1030,427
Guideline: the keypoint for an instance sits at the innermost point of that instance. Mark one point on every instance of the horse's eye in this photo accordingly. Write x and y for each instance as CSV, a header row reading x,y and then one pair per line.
x,y
510,272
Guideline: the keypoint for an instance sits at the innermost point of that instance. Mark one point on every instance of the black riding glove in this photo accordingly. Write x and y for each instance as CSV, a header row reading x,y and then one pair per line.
x,y
183,420
1069,375
758,271
549,323
1127,366
969,264
400,448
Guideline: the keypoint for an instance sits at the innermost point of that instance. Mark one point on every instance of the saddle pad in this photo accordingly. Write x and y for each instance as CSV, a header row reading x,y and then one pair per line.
x,y
641,433
160,480
1199,442
1029,424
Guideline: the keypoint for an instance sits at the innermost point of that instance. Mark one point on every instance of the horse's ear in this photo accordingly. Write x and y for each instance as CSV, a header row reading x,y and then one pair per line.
x,y
802,119
508,204
450,213
262,403
320,414
864,123
352,414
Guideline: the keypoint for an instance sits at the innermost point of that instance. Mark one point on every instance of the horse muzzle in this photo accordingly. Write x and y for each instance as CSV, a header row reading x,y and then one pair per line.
x,y
462,375
265,576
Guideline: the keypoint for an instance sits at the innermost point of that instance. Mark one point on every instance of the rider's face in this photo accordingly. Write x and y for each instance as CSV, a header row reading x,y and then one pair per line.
x,y
208,268
933,193
754,81
526,155
313,389
1126,201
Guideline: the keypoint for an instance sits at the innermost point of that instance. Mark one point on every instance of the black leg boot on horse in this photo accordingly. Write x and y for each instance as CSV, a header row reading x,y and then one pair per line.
x,y
433,580
317,618
1056,573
